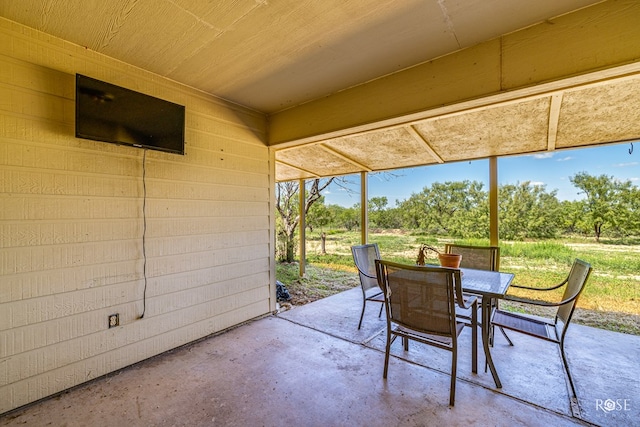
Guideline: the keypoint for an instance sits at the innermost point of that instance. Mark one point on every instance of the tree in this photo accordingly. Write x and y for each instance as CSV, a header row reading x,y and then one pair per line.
x,y
607,202
630,223
319,215
472,220
450,208
377,209
412,211
287,206
571,216
528,211
348,218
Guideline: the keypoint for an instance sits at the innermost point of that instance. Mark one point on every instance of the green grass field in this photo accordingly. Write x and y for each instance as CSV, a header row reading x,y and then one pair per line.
x,y
611,299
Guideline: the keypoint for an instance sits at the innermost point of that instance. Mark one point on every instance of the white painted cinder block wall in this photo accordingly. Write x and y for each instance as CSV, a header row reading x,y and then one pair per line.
x,y
71,224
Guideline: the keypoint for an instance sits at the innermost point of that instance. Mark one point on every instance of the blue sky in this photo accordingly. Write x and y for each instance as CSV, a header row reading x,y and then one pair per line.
x,y
551,169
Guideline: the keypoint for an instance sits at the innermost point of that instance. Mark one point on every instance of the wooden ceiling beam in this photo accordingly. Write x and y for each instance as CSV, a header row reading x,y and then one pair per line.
x,y
313,174
554,119
337,153
414,133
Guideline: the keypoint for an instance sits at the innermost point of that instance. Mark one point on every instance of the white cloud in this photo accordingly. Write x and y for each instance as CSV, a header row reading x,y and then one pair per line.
x,y
546,155
537,183
625,165
564,159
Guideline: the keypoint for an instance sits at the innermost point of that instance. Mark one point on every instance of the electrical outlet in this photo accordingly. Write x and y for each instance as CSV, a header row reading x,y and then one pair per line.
x,y
114,320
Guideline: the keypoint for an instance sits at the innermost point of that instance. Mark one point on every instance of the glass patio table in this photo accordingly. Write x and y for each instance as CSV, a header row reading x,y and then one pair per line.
x,y
488,285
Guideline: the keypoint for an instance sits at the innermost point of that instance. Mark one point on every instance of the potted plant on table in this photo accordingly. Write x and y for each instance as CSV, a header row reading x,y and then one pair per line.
x,y
446,260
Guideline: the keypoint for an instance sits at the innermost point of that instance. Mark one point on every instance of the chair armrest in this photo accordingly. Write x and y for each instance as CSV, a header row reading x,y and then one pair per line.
x,y
536,302
365,274
368,275
559,285
467,301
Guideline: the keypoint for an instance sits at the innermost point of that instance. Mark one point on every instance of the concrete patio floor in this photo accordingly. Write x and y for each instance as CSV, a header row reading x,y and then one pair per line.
x,y
310,366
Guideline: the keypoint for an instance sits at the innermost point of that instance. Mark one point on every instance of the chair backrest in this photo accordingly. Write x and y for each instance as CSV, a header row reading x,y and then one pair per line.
x,y
420,298
476,257
576,280
364,257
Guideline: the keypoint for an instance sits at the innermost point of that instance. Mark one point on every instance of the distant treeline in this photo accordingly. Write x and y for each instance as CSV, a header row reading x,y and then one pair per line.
x,y
461,210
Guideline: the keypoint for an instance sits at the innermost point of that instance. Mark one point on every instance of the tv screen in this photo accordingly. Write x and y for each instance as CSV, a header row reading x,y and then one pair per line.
x,y
109,113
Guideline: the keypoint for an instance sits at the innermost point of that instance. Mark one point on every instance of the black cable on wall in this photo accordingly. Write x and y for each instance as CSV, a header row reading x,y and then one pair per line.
x,y
144,232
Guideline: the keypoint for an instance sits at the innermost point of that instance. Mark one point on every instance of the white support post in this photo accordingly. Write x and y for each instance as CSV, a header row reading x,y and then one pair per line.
x,y
364,208
303,227
493,201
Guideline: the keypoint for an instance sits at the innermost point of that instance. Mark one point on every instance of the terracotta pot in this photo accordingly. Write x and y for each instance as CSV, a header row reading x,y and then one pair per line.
x,y
450,260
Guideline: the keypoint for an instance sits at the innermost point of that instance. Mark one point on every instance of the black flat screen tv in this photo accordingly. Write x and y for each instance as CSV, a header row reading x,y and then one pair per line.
x,y
109,113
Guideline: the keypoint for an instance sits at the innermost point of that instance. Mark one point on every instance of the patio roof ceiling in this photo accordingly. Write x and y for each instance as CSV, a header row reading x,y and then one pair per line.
x,y
308,65
592,114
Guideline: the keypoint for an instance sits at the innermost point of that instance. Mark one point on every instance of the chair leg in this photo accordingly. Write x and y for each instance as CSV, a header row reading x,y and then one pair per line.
x,y
474,339
566,368
505,335
454,362
386,354
364,303
381,307
494,306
